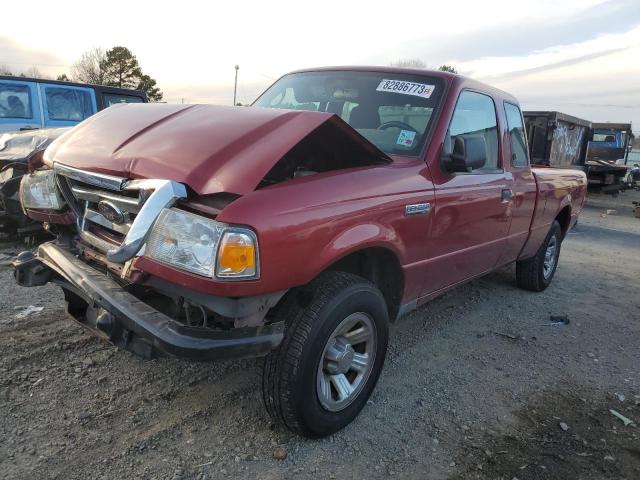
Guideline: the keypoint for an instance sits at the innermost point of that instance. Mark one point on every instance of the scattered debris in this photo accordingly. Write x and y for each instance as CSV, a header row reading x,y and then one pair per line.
x,y
37,382
611,211
625,420
6,259
620,397
28,311
564,426
279,453
508,335
557,320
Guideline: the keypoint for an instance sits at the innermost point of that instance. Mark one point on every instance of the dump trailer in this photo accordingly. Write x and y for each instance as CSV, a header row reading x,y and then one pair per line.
x,y
557,139
563,141
607,153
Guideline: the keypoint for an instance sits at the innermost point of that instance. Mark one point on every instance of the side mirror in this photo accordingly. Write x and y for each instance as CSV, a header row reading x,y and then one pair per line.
x,y
469,153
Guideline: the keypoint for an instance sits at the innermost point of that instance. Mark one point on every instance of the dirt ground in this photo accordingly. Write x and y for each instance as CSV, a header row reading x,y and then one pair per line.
x,y
476,385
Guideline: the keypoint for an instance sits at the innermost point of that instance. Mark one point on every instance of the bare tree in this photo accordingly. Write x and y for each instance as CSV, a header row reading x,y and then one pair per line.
x,y
33,72
89,69
409,63
5,70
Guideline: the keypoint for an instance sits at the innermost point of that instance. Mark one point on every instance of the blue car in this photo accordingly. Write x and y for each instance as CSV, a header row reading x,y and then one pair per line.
x,y
31,103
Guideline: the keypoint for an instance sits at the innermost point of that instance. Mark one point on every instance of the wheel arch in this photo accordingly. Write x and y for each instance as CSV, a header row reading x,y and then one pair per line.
x,y
381,266
564,219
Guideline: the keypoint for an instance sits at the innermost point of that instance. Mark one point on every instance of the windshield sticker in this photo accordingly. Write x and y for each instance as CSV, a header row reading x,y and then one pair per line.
x,y
406,88
406,138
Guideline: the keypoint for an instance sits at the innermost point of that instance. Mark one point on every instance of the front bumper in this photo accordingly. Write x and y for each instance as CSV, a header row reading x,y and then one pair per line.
x,y
126,321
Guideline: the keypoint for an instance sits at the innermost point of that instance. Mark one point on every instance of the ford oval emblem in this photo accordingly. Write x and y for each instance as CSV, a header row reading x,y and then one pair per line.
x,y
112,213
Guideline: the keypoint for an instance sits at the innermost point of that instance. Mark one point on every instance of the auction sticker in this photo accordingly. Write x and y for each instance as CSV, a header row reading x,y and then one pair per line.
x,y
406,138
406,88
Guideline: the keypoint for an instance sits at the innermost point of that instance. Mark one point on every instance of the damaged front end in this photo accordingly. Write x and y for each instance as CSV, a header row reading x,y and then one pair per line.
x,y
19,152
117,218
106,307
94,261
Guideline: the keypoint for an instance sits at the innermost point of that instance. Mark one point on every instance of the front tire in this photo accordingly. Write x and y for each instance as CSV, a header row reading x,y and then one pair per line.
x,y
536,273
320,377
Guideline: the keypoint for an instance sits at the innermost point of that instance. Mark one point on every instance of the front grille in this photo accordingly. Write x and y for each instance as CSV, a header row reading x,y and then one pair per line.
x,y
115,214
89,195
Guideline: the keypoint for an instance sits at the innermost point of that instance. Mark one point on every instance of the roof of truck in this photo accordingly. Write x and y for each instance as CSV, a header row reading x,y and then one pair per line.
x,y
447,76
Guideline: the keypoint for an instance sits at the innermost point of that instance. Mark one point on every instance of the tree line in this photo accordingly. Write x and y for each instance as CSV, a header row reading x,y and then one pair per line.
x,y
116,67
417,63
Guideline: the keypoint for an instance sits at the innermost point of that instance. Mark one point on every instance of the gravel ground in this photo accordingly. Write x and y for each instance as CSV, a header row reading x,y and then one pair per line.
x,y
476,385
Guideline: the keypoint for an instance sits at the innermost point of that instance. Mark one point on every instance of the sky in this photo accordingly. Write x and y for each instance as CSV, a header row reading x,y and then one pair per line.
x,y
581,57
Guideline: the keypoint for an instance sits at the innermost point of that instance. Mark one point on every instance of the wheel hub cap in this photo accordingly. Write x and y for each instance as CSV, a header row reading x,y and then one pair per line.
x,y
549,258
344,358
346,362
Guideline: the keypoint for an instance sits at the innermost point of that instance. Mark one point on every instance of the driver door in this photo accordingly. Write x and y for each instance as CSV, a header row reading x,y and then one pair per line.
x,y
471,216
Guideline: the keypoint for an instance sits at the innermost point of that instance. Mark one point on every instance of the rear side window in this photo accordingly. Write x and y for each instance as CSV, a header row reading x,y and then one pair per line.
x,y
519,157
15,101
65,103
475,116
114,99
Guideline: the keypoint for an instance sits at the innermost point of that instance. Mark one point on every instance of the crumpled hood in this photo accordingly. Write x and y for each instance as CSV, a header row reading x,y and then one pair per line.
x,y
209,148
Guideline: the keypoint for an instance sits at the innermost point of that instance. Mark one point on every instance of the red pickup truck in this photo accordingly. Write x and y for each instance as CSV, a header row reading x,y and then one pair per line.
x,y
295,229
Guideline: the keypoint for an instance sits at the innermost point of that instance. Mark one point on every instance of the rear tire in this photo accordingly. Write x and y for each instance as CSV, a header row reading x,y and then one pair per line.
x,y
536,273
335,342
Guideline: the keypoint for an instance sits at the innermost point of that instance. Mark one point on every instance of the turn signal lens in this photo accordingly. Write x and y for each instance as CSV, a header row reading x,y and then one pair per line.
x,y
237,255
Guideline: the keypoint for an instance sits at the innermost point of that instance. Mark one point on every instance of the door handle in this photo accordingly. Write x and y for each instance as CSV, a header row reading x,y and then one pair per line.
x,y
506,195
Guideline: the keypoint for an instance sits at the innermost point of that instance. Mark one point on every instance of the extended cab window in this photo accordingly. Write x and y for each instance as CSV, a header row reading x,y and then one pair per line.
x,y
519,156
14,101
65,103
394,111
114,99
475,116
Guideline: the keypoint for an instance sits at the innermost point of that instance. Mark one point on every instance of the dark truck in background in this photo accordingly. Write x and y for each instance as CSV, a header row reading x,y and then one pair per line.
x,y
564,141
33,113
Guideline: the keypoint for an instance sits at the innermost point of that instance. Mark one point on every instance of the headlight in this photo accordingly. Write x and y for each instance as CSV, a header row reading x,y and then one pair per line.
x,y
203,246
39,190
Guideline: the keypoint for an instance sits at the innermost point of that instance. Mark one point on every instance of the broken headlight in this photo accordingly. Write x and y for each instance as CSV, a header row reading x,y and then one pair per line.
x,y
203,246
39,190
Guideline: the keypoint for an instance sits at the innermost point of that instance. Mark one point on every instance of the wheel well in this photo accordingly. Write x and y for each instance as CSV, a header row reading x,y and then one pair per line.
x,y
381,267
563,218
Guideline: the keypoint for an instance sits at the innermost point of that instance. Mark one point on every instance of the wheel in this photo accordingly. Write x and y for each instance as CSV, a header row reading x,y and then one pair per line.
x,y
334,346
536,273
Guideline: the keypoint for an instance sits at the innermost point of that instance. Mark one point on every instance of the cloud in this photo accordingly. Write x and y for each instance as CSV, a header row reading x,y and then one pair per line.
x,y
522,37
20,58
220,94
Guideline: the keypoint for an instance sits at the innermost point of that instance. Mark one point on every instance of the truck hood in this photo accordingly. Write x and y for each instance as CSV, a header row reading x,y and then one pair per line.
x,y
209,148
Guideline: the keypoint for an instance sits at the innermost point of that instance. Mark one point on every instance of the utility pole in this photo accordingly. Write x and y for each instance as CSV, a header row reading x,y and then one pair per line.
x,y
235,86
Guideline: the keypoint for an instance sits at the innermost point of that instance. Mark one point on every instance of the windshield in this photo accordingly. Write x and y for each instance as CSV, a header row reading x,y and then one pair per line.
x,y
392,111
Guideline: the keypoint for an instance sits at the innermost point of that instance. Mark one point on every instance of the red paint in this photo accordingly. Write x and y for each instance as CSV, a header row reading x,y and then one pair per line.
x,y
51,216
210,148
305,225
